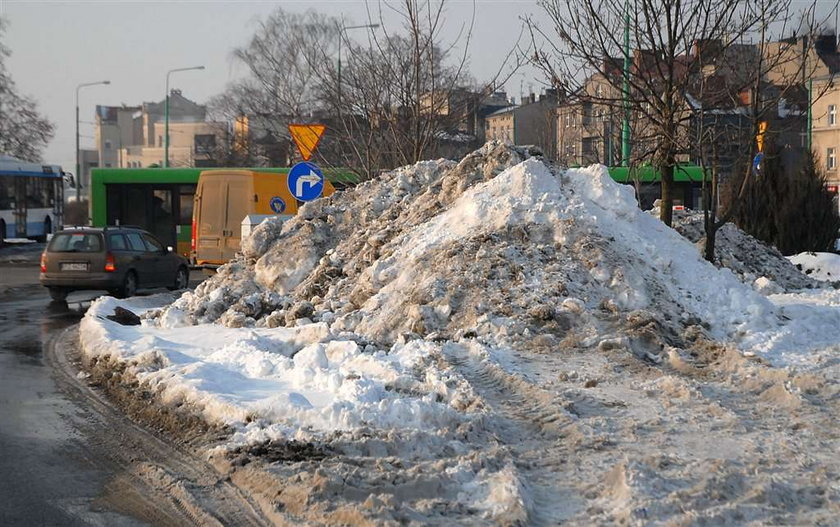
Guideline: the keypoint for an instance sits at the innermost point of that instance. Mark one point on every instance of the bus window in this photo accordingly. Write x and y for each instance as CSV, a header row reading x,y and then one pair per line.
x,y
7,192
163,223
186,195
133,206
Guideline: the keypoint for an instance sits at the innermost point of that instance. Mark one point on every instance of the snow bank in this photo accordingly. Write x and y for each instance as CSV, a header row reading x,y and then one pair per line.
x,y
819,266
749,258
302,378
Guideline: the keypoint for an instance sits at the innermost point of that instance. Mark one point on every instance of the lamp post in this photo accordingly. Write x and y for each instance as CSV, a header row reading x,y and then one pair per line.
x,y
341,31
166,114
625,90
78,164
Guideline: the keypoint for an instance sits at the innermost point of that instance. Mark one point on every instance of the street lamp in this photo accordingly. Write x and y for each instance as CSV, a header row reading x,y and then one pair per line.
x,y
341,32
78,169
166,114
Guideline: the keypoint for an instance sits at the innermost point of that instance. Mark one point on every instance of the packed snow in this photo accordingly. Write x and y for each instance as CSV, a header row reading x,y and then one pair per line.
x,y
819,266
457,332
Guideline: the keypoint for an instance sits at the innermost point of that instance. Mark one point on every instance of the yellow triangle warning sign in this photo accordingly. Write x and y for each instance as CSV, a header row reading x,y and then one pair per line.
x,y
306,137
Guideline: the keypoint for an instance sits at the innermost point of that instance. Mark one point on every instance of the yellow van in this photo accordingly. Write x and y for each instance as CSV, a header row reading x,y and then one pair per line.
x,y
224,198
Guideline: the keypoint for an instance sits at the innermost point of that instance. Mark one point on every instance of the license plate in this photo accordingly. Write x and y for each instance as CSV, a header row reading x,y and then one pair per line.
x,y
74,267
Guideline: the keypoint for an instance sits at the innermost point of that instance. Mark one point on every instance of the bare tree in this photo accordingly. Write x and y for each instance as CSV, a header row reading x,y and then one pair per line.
x,y
395,98
405,93
731,133
587,37
24,132
285,65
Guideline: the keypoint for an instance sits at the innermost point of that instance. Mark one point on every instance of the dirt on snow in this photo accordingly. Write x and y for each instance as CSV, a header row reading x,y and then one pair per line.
x,y
605,384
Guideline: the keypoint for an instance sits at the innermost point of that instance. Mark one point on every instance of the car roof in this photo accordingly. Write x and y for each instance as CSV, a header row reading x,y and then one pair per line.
x,y
110,228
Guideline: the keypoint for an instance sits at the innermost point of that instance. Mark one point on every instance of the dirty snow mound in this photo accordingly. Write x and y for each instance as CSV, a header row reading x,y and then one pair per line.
x,y
496,245
749,258
453,334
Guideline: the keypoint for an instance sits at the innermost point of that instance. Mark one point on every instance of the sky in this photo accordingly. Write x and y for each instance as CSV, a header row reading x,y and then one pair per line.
x,y
58,45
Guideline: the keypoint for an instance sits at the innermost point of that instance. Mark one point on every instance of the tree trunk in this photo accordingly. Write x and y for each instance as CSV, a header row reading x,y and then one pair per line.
x,y
709,253
666,204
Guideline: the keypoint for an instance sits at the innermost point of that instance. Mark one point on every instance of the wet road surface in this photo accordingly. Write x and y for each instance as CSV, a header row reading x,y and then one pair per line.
x,y
50,474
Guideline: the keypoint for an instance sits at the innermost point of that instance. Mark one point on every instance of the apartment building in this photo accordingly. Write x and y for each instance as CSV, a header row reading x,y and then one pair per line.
x,y
531,123
825,128
133,136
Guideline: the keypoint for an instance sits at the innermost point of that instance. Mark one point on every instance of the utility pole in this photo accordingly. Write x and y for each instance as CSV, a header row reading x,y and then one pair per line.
x,y
166,114
625,125
78,163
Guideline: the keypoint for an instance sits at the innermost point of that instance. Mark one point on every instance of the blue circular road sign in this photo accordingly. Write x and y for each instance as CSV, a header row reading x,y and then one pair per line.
x,y
306,182
277,204
757,160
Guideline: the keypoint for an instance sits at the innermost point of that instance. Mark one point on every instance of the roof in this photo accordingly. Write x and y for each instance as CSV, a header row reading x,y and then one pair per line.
x,y
190,174
647,174
503,111
13,166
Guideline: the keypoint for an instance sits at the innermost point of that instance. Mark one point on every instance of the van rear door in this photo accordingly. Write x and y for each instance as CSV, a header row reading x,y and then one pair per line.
x,y
210,214
240,203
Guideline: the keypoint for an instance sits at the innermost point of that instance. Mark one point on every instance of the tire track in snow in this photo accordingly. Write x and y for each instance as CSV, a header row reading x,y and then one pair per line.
x,y
534,424
155,471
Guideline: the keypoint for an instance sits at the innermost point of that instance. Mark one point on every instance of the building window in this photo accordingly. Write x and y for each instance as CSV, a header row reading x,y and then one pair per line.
x,y
586,120
832,115
589,147
831,158
107,144
160,141
205,144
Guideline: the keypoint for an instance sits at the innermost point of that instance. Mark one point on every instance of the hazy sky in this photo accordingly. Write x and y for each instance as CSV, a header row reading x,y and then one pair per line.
x,y
58,45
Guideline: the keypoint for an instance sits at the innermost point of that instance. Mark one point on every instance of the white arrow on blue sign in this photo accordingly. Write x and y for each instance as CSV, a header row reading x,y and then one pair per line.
x,y
306,182
759,157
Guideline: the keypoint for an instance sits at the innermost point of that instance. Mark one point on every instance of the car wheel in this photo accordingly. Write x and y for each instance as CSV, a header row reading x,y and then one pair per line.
x,y
59,294
129,287
182,279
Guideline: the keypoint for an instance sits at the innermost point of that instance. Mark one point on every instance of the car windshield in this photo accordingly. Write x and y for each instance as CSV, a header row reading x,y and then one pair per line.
x,y
78,242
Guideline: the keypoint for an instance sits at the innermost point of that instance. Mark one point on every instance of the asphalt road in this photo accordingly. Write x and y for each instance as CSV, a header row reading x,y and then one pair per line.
x,y
49,474
68,456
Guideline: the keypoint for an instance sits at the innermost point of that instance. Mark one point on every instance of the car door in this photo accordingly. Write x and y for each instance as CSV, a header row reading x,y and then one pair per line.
x,y
159,256
142,260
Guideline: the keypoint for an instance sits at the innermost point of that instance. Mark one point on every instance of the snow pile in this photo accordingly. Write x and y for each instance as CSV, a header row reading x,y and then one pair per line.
x,y
444,251
819,266
499,247
749,258
447,326
301,378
